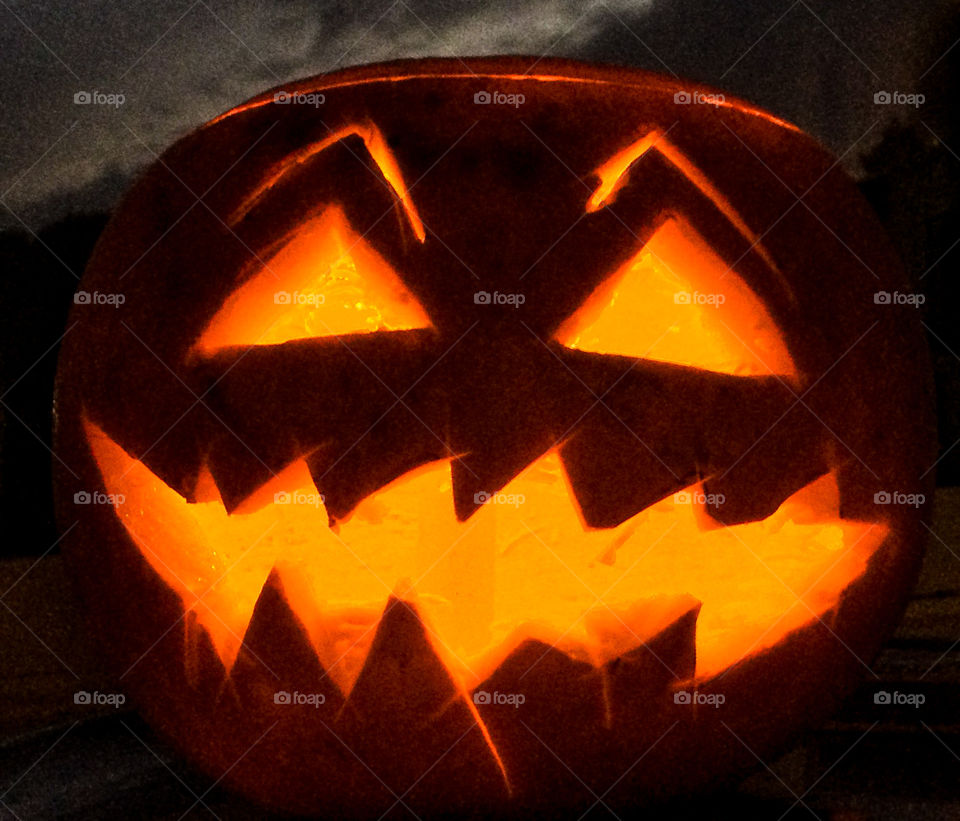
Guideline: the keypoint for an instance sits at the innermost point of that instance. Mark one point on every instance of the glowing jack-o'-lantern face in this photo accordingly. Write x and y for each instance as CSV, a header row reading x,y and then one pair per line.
x,y
447,441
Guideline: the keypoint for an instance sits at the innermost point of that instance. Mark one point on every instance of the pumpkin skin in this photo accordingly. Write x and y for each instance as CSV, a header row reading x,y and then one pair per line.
x,y
440,198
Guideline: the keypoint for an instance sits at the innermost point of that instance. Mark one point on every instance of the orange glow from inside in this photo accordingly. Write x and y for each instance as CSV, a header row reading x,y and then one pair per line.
x,y
675,301
522,566
326,280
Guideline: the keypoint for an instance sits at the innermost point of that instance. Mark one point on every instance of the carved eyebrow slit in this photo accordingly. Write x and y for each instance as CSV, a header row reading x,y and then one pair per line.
x,y
613,176
376,147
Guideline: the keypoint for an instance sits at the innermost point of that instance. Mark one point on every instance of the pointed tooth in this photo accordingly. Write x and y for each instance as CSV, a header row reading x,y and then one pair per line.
x,y
790,455
562,711
487,469
271,404
403,679
614,476
664,426
276,655
238,471
176,456
641,682
405,692
349,472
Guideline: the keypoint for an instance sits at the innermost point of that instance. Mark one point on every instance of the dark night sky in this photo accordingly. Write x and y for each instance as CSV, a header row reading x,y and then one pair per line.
x,y
180,63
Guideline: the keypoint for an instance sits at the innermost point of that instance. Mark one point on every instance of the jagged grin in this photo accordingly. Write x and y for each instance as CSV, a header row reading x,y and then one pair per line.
x,y
523,567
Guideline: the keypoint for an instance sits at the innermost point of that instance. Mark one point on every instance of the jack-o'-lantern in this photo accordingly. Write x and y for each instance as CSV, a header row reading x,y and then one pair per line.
x,y
463,437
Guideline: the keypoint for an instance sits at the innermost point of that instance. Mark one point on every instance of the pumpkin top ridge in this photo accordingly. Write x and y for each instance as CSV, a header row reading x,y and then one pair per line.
x,y
510,67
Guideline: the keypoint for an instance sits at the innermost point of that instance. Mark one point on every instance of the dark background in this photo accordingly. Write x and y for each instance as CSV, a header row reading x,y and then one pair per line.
x,y
64,166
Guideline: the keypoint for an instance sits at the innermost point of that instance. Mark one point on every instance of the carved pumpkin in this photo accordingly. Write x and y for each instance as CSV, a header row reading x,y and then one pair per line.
x,y
491,452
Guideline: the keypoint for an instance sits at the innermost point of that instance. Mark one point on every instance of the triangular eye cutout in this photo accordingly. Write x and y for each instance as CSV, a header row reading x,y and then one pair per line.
x,y
677,301
325,280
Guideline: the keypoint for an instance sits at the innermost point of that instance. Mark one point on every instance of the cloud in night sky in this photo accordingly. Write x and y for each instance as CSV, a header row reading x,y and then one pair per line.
x,y
179,64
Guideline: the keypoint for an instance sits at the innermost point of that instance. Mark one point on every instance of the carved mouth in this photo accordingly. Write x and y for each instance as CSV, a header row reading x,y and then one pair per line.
x,y
523,567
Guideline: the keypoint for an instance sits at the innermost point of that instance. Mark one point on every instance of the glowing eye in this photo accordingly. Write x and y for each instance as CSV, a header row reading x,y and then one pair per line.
x,y
325,281
676,301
